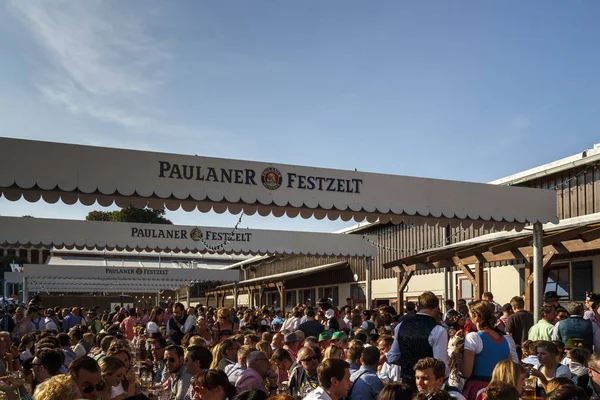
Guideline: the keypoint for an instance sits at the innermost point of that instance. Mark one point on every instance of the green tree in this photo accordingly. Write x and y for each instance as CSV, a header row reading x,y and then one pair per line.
x,y
131,214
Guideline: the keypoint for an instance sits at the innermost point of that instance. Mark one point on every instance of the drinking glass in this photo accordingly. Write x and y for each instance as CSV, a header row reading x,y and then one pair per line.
x,y
529,388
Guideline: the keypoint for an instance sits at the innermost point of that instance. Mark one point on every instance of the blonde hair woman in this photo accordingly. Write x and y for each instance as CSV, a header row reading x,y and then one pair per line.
x,y
334,351
225,327
113,372
60,387
509,372
217,355
265,347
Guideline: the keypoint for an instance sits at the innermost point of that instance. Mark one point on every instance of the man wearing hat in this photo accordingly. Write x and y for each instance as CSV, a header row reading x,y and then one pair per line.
x,y
340,340
575,327
324,340
292,345
552,298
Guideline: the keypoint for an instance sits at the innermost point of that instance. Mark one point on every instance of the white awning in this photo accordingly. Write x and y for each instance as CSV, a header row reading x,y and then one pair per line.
x,y
131,263
52,171
160,276
121,235
291,274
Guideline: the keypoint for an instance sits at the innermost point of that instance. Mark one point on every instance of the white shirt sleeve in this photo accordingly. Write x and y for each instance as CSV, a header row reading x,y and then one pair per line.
x,y
152,327
562,371
555,335
438,339
189,323
512,347
473,342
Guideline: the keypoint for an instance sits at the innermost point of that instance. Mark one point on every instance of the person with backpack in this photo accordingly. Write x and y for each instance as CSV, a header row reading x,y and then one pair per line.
x,y
366,385
367,324
37,323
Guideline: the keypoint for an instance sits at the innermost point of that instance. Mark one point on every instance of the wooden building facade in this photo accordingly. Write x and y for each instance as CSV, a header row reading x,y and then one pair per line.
x,y
577,187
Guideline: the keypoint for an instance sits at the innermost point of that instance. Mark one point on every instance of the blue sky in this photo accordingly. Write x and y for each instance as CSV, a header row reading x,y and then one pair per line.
x,y
465,90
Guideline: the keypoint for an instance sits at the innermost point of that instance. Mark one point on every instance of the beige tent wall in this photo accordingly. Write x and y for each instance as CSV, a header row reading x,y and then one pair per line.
x,y
420,283
385,288
344,293
503,282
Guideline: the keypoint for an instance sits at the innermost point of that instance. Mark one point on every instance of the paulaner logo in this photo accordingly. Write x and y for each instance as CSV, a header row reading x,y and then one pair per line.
x,y
271,178
196,234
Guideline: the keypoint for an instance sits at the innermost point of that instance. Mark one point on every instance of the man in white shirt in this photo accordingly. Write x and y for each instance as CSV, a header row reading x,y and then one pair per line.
x,y
37,323
419,336
334,378
50,321
233,371
291,324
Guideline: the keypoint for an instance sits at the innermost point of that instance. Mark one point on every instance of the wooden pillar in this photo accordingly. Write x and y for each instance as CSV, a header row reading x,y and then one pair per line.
x,y
207,300
538,268
235,296
479,285
250,298
399,297
528,286
281,290
405,278
260,297
368,282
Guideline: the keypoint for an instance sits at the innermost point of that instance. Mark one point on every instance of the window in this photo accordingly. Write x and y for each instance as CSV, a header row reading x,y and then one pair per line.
x,y
558,280
272,299
464,288
357,294
290,298
331,292
307,296
569,280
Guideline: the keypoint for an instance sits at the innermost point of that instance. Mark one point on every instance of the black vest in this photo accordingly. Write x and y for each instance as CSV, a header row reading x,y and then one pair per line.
x,y
413,339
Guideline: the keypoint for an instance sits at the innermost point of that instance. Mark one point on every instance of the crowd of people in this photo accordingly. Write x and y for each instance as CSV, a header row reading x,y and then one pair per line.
x,y
474,351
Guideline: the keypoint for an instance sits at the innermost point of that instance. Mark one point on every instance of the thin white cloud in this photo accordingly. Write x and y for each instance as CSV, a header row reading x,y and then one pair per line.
x,y
101,63
520,122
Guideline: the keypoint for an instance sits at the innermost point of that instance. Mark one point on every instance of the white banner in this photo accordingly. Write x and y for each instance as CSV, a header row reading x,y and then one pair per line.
x,y
100,275
71,173
121,235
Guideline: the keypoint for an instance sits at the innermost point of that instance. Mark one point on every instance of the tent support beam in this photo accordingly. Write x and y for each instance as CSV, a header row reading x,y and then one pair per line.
x,y
25,291
281,290
404,278
369,294
235,295
479,284
538,268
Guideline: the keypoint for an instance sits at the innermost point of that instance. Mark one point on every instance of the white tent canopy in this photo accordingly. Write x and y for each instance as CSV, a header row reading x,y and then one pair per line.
x,y
83,279
176,238
52,171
